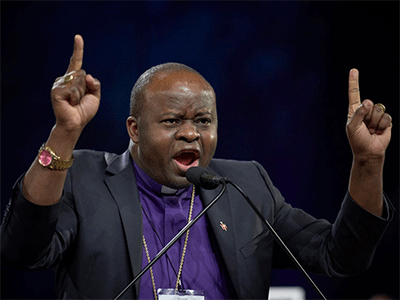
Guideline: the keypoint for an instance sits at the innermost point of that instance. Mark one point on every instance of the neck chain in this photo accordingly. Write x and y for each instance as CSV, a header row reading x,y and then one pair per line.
x,y
183,252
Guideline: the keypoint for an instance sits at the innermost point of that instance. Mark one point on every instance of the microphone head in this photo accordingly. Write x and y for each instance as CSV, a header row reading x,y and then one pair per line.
x,y
193,175
200,177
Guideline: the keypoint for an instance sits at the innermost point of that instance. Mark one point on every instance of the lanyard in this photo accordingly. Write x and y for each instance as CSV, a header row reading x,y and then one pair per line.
x,y
183,252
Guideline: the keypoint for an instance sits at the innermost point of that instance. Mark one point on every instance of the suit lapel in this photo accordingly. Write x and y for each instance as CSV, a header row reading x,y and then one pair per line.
x,y
225,236
121,183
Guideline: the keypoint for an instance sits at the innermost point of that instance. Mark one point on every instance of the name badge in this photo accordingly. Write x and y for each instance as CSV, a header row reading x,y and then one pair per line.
x,y
170,294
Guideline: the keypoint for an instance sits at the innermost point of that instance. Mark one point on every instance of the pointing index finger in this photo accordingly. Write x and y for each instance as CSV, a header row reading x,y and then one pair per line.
x,y
354,91
75,63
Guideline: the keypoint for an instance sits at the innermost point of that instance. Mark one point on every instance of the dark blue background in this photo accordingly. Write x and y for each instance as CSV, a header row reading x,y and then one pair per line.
x,y
279,70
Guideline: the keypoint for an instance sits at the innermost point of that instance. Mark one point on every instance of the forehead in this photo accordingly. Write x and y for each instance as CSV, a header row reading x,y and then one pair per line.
x,y
168,79
179,87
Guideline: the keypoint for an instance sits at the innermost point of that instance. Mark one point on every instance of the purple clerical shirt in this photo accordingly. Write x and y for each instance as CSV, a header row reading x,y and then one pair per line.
x,y
165,212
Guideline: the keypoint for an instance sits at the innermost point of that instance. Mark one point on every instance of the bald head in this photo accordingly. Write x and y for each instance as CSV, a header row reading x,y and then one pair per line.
x,y
139,89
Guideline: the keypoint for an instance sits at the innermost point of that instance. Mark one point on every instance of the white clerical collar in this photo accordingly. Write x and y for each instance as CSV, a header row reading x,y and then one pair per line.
x,y
167,190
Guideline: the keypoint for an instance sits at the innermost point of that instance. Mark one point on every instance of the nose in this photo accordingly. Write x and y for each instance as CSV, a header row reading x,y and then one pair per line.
x,y
188,132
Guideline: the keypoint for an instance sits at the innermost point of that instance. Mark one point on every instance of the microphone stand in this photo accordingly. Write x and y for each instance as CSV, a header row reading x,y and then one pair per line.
x,y
278,239
173,241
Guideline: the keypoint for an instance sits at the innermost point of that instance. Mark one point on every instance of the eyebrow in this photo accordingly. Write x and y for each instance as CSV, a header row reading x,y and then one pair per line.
x,y
203,113
178,114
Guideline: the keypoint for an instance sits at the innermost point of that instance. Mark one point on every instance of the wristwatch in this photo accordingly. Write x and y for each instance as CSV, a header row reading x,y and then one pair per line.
x,y
48,159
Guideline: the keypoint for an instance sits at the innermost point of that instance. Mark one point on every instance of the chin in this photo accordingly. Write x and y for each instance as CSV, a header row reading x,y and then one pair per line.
x,y
180,183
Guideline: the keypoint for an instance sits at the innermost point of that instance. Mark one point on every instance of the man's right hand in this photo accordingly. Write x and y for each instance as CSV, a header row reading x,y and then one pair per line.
x,y
75,102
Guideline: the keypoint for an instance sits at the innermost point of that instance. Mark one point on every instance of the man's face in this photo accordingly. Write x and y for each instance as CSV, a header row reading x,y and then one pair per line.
x,y
176,128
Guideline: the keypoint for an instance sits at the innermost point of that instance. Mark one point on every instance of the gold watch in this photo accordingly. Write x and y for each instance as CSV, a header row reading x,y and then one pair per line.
x,y
48,159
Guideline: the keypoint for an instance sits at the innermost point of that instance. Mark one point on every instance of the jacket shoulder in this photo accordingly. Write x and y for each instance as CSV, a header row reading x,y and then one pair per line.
x,y
91,154
229,167
85,158
250,174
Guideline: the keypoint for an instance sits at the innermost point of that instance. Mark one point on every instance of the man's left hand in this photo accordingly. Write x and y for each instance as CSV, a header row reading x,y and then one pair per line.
x,y
368,126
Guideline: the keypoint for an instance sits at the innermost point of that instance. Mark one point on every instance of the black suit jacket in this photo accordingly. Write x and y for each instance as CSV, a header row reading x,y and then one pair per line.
x,y
93,236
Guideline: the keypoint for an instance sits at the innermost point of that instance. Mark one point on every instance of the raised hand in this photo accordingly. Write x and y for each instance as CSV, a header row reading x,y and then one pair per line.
x,y
76,99
76,95
368,126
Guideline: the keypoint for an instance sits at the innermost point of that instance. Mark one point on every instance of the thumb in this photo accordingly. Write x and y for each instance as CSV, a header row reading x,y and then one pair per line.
x,y
360,114
93,85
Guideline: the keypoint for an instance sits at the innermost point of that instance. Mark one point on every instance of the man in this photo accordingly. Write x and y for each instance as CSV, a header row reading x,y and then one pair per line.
x,y
98,218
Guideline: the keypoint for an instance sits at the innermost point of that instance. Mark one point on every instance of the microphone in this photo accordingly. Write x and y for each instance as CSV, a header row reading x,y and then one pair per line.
x,y
200,177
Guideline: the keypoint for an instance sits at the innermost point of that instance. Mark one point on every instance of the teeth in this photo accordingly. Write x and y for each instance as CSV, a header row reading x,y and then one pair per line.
x,y
194,153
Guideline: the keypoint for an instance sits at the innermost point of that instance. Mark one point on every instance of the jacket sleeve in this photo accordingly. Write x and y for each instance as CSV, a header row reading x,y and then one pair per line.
x,y
343,248
31,235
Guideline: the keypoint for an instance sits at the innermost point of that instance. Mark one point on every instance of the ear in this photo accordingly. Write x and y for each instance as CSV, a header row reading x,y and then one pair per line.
x,y
132,127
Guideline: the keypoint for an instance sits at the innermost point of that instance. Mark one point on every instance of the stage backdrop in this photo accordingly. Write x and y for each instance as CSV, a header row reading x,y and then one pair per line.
x,y
280,73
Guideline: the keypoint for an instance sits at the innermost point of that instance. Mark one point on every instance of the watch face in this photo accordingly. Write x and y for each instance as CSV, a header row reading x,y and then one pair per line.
x,y
45,158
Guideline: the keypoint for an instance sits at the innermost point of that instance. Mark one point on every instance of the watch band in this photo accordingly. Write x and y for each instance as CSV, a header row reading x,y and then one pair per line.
x,y
48,159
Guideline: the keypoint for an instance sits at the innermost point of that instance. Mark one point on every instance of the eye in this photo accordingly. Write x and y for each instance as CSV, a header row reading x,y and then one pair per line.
x,y
204,121
171,121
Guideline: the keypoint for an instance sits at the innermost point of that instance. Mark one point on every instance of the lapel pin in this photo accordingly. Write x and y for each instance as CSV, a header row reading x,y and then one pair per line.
x,y
223,226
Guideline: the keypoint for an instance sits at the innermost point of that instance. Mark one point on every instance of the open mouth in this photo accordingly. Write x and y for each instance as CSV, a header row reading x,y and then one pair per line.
x,y
187,159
